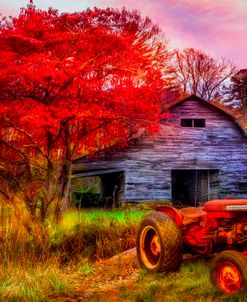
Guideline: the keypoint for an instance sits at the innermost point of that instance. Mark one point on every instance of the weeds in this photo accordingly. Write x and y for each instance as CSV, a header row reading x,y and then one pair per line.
x,y
18,283
191,283
39,261
46,263
86,269
95,234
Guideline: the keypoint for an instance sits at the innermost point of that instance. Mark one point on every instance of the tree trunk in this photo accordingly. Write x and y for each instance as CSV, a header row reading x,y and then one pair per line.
x,y
65,178
65,194
49,173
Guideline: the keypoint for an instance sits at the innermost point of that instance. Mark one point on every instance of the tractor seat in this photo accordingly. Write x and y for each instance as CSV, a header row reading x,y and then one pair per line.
x,y
189,214
222,205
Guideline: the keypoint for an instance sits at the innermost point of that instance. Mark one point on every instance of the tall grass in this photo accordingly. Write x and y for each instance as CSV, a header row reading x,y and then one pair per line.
x,y
39,261
95,234
34,282
52,262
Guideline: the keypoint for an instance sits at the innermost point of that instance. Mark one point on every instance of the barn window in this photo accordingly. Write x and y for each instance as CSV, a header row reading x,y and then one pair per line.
x,y
186,122
197,122
242,186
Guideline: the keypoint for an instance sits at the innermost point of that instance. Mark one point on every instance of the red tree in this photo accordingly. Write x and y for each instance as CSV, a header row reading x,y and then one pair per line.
x,y
73,84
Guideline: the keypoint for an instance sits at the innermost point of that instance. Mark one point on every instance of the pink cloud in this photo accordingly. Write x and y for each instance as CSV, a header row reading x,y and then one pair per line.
x,y
217,27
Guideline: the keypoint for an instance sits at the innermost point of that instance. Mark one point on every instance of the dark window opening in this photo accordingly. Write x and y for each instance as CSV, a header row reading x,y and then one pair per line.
x,y
196,123
186,122
242,186
199,123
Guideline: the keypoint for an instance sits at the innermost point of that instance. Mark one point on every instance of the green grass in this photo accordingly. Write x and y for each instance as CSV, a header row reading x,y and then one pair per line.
x,y
68,261
95,234
191,283
34,284
39,262
105,216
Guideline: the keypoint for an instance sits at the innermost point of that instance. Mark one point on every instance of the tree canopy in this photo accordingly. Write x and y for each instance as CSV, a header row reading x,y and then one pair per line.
x,y
73,84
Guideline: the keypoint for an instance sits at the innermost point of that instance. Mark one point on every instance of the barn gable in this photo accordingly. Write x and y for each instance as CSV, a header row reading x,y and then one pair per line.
x,y
200,153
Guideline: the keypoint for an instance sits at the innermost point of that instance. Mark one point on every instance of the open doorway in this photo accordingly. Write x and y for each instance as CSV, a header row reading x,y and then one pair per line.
x,y
112,188
190,187
100,189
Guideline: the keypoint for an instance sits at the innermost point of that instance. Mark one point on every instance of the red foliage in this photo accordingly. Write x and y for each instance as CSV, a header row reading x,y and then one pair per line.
x,y
77,83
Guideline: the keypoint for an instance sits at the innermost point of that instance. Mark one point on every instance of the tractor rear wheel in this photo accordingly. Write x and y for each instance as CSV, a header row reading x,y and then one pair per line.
x,y
159,243
229,272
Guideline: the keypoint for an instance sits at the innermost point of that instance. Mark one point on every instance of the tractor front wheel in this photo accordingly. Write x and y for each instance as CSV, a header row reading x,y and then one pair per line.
x,y
229,272
159,243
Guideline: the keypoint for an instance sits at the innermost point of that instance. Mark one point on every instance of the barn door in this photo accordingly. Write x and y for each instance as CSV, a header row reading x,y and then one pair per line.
x,y
191,187
208,185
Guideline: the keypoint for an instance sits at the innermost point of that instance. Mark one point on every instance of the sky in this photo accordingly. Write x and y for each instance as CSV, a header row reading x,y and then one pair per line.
x,y
218,28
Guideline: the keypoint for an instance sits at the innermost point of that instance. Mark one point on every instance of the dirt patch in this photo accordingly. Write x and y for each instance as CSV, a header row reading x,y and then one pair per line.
x,y
119,279
107,276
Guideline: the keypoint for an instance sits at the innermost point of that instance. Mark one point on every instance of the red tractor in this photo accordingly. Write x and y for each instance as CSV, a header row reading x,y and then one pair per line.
x,y
218,230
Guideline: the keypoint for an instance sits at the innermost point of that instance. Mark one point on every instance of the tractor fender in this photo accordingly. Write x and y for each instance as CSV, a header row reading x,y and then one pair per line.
x,y
173,213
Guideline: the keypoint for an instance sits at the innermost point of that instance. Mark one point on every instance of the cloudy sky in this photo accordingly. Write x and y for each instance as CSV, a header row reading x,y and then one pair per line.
x,y
216,27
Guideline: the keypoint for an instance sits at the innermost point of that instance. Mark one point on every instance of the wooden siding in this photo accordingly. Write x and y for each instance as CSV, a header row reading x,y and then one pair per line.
x,y
147,166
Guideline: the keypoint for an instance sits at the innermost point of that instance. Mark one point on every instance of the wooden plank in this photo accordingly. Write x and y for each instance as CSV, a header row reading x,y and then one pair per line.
x,y
95,173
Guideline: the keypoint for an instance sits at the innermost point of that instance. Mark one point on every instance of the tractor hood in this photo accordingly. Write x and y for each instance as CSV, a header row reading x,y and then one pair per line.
x,y
222,205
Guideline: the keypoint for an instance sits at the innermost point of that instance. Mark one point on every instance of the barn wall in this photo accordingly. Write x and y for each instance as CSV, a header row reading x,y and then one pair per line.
x,y
147,165
220,145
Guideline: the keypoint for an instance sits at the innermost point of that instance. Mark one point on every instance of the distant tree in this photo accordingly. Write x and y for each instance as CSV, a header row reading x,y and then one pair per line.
x,y
72,84
237,91
197,73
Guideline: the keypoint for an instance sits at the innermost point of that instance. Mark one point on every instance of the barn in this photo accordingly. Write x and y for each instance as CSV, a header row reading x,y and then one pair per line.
x,y
199,154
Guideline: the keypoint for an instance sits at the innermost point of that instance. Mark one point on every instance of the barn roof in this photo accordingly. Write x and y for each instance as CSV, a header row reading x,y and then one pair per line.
x,y
103,153
212,105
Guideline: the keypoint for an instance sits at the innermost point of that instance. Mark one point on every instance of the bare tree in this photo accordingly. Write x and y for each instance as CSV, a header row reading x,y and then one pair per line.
x,y
197,73
236,91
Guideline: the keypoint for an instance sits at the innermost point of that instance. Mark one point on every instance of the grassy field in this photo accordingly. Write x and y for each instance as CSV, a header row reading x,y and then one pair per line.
x,y
191,283
73,263
40,264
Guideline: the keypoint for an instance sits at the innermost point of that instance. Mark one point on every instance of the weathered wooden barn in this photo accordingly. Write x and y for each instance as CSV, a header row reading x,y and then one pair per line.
x,y
199,154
